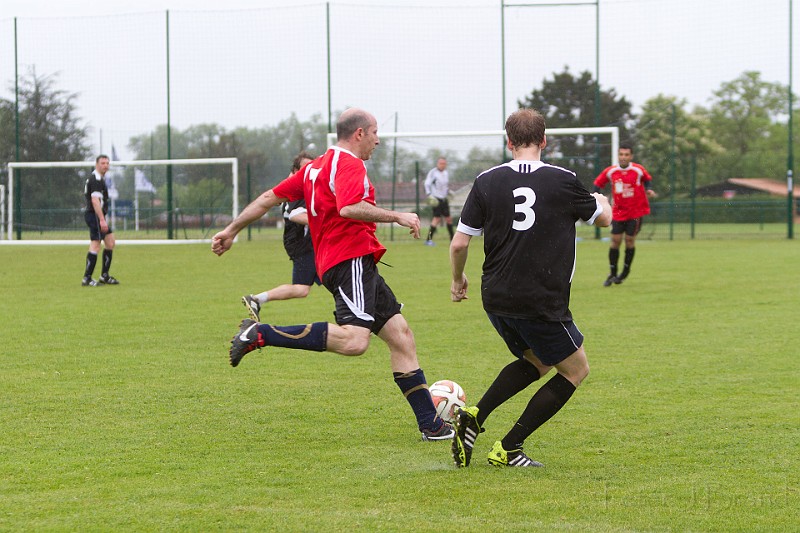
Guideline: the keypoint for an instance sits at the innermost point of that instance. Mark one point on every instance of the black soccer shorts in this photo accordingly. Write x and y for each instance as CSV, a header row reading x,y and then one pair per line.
x,y
630,227
362,296
442,209
304,271
94,226
551,342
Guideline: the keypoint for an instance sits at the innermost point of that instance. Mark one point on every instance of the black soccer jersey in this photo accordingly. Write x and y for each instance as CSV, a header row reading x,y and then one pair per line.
x,y
527,211
95,185
296,237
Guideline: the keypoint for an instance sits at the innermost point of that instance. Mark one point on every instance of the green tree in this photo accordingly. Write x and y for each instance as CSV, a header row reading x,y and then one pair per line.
x,y
568,101
49,130
693,138
742,117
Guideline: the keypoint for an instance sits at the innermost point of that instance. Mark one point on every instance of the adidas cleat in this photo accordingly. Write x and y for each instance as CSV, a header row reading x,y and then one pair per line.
x,y
467,429
253,307
244,342
500,457
105,279
89,282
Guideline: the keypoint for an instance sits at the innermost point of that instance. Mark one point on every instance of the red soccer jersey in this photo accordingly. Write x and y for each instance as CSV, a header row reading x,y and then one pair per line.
x,y
332,181
627,188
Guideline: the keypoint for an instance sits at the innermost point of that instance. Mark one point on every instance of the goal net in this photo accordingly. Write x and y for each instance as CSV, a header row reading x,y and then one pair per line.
x,y
150,201
399,166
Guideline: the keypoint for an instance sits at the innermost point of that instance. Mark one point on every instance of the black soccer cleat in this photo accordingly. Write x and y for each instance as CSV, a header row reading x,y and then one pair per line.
x,y
467,430
500,457
89,282
444,432
609,280
253,307
245,341
105,279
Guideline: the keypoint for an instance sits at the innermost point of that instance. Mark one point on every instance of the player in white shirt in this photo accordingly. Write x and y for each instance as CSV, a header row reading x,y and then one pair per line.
x,y
437,187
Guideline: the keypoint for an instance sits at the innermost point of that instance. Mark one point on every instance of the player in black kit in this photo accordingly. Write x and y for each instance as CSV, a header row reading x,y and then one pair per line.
x,y
297,243
526,211
95,191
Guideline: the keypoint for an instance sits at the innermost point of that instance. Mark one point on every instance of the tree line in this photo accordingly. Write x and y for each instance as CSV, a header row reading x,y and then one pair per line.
x,y
742,132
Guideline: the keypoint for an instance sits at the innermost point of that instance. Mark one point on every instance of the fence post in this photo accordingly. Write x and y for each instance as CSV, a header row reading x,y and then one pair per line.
x,y
694,190
672,177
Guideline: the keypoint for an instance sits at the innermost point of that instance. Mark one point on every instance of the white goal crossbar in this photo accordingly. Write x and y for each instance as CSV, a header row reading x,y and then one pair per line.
x,y
232,161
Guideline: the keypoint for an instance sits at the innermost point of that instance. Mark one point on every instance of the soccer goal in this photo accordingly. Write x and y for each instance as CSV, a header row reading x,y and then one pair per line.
x,y
150,201
399,167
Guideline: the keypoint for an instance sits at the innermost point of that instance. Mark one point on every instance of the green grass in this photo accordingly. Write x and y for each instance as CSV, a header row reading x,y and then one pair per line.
x,y
118,410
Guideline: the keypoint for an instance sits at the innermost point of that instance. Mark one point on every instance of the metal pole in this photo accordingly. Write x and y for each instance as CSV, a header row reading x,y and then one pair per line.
x,y
672,177
394,173
597,166
416,184
17,185
328,41
790,157
169,146
503,67
694,190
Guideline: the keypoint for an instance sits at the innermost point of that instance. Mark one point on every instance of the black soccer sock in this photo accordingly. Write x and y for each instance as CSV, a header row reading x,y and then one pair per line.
x,y
613,259
516,376
547,401
106,261
91,261
431,232
626,267
302,337
415,389
450,231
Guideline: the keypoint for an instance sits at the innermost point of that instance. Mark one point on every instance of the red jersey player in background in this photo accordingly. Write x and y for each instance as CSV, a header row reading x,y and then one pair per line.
x,y
340,202
630,189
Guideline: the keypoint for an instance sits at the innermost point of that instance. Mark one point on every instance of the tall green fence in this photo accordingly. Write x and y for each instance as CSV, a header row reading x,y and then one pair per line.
x,y
225,75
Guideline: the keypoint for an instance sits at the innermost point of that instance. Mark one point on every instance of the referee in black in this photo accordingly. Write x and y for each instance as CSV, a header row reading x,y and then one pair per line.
x,y
526,210
95,191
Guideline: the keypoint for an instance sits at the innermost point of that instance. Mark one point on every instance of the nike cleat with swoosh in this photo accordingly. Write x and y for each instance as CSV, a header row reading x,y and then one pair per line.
x,y
244,342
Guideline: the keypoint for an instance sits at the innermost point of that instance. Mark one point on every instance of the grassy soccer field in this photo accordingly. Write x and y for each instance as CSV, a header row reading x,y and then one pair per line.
x,y
118,410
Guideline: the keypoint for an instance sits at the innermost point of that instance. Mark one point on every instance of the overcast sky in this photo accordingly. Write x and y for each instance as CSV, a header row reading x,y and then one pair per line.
x,y
685,48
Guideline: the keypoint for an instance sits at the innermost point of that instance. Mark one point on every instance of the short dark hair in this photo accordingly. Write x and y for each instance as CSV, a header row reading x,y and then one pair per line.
x,y
296,164
350,121
525,127
101,156
626,145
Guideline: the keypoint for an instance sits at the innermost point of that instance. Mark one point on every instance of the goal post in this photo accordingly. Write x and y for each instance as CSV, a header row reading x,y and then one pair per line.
x,y
201,197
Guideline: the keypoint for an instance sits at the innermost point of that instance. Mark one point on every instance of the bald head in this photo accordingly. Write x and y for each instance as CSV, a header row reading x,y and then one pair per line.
x,y
351,120
357,131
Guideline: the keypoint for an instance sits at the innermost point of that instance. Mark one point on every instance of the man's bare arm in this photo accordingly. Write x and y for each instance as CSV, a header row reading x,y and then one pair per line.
x,y
370,213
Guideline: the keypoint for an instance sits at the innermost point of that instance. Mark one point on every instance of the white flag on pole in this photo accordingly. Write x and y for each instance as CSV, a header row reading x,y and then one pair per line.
x,y
142,183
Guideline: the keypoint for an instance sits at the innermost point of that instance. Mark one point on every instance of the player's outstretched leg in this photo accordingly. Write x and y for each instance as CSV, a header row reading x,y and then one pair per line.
x,y
253,306
501,457
245,341
467,429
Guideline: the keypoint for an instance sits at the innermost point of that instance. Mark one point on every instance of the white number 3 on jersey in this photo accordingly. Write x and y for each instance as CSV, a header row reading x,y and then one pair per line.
x,y
529,198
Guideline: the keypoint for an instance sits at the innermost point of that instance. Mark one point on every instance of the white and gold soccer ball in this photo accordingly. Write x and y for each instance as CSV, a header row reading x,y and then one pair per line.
x,y
447,395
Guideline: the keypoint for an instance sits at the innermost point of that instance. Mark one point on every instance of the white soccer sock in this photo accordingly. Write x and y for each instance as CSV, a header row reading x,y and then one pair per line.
x,y
262,297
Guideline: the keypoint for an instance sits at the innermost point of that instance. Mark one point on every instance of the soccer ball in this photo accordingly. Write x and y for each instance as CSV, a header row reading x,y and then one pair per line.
x,y
447,395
